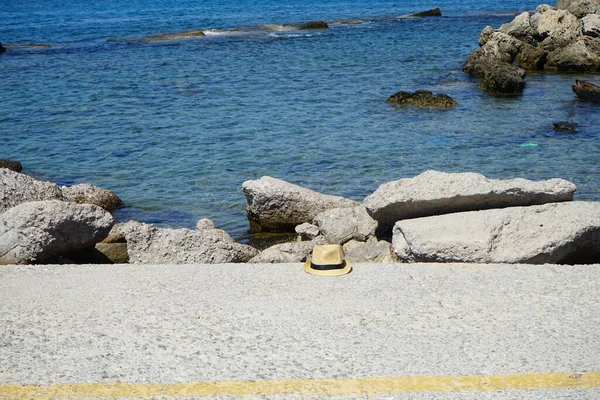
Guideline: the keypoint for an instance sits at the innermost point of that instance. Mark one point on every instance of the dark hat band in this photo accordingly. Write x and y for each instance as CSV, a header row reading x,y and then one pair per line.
x,y
327,266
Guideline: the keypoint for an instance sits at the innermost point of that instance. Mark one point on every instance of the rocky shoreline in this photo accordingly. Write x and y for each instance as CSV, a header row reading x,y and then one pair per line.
x,y
433,217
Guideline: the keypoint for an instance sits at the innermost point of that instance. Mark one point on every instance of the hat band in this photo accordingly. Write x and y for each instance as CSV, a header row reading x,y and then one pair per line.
x,y
327,266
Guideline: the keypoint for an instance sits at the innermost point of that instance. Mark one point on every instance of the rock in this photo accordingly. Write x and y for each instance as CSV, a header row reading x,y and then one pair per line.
x,y
520,28
286,252
590,25
205,224
531,58
12,165
275,205
39,231
565,126
587,91
84,193
264,240
340,225
2,49
564,4
576,57
307,231
557,28
422,98
429,13
435,193
314,25
16,188
116,253
503,79
550,233
147,244
492,63
486,33
371,252
581,8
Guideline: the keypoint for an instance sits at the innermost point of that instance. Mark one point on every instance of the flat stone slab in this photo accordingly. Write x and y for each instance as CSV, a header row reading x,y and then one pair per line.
x,y
435,193
238,322
550,233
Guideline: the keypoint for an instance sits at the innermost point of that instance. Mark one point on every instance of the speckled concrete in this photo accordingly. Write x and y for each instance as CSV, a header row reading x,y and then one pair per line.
x,y
187,323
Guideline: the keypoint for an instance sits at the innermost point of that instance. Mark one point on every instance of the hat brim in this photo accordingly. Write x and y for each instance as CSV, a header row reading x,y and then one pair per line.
x,y
328,272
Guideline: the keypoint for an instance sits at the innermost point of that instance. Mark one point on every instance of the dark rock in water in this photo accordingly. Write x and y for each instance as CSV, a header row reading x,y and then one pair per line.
x,y
315,25
2,49
503,79
532,58
429,13
12,165
565,126
422,98
587,91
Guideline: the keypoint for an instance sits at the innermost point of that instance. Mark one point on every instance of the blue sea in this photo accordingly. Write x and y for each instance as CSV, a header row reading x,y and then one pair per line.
x,y
175,126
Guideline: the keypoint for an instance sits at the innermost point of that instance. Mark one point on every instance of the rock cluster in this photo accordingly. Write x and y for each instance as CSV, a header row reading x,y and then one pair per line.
x,y
446,217
563,39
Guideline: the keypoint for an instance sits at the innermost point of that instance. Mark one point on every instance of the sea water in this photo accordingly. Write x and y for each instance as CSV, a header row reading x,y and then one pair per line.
x,y
174,127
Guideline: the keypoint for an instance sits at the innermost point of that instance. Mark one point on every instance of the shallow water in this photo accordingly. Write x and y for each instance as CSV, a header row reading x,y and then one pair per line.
x,y
174,127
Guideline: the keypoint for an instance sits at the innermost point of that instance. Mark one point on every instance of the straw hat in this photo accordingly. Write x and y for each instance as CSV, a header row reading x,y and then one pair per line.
x,y
327,260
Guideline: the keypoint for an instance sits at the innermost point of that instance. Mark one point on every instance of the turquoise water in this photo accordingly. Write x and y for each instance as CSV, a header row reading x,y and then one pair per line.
x,y
174,127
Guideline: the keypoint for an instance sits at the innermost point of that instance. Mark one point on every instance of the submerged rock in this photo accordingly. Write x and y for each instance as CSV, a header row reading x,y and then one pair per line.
x,y
587,91
39,231
147,244
422,98
12,165
429,13
278,206
16,188
550,233
435,193
314,25
565,126
2,49
85,193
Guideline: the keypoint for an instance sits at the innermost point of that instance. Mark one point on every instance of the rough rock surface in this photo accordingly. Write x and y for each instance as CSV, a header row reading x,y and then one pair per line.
x,y
557,28
16,188
205,224
422,98
287,252
278,206
307,231
591,25
503,79
376,251
435,193
38,231
116,253
12,165
576,57
587,91
581,8
519,28
314,25
147,244
85,193
550,233
339,225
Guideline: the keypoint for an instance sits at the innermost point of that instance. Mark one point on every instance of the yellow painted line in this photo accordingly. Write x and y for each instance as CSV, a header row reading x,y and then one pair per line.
x,y
306,387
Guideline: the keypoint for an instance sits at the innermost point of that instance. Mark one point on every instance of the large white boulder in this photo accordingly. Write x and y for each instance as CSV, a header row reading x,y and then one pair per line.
x,y
279,206
550,233
557,28
147,244
16,188
38,231
435,193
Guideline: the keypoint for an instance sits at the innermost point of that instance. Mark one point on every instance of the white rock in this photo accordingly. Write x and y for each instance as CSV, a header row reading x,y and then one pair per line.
x,y
549,233
434,193
16,188
276,205
519,27
371,252
147,244
581,8
38,231
205,224
340,225
557,28
84,193
307,231
591,25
